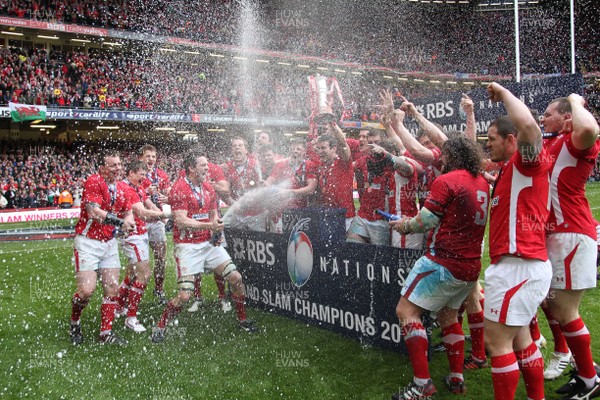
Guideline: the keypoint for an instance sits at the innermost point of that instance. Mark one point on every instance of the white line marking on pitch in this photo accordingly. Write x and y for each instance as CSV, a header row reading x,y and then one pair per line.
x,y
24,250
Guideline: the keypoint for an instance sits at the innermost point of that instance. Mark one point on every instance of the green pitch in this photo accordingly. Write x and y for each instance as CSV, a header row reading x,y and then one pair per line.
x,y
205,356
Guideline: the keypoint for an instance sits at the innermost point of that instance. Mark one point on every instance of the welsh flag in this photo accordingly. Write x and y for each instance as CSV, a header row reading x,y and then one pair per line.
x,y
26,112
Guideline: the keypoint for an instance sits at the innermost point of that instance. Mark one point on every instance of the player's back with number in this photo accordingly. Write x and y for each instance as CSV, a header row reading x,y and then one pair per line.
x,y
456,242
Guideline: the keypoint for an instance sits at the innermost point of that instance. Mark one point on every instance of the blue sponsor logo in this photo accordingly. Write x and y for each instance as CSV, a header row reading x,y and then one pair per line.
x,y
300,254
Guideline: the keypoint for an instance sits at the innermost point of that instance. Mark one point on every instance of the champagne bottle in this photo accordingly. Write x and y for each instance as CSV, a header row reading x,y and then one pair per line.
x,y
387,216
216,236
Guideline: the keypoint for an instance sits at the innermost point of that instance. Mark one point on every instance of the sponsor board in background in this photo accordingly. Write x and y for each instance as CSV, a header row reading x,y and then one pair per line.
x,y
37,215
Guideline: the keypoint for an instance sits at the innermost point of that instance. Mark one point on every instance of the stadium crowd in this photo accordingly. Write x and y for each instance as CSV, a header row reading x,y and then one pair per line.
x,y
180,83
34,173
163,84
120,81
452,47
31,180
168,83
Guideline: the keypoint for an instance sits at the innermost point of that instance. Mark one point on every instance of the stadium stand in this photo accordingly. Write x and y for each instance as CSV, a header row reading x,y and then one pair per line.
x,y
469,40
145,79
33,173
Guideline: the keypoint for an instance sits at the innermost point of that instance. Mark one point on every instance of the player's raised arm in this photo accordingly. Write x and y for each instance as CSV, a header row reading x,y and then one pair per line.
x,y
412,145
434,133
343,150
469,108
387,112
529,136
585,126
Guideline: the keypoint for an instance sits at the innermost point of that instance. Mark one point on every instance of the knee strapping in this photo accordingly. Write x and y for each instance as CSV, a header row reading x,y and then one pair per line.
x,y
229,268
185,285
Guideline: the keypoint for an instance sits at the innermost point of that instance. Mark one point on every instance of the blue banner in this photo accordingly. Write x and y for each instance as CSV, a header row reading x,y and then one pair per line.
x,y
536,93
140,116
311,274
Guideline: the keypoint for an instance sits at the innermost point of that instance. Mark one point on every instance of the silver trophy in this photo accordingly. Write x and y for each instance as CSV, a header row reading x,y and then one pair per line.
x,y
324,101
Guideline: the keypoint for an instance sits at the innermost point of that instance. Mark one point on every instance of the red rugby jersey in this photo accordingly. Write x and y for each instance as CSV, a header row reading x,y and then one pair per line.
x,y
462,202
109,198
570,211
519,208
198,202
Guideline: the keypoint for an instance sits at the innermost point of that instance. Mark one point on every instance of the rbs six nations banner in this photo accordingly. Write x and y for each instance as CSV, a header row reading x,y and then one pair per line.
x,y
536,93
311,274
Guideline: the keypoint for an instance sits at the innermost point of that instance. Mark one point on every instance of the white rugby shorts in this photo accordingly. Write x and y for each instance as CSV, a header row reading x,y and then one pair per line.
x,y
514,289
378,232
91,254
415,241
196,258
136,248
573,258
156,231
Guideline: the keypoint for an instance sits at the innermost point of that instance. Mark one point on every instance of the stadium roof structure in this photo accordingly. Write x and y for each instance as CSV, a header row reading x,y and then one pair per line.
x,y
482,3
506,3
